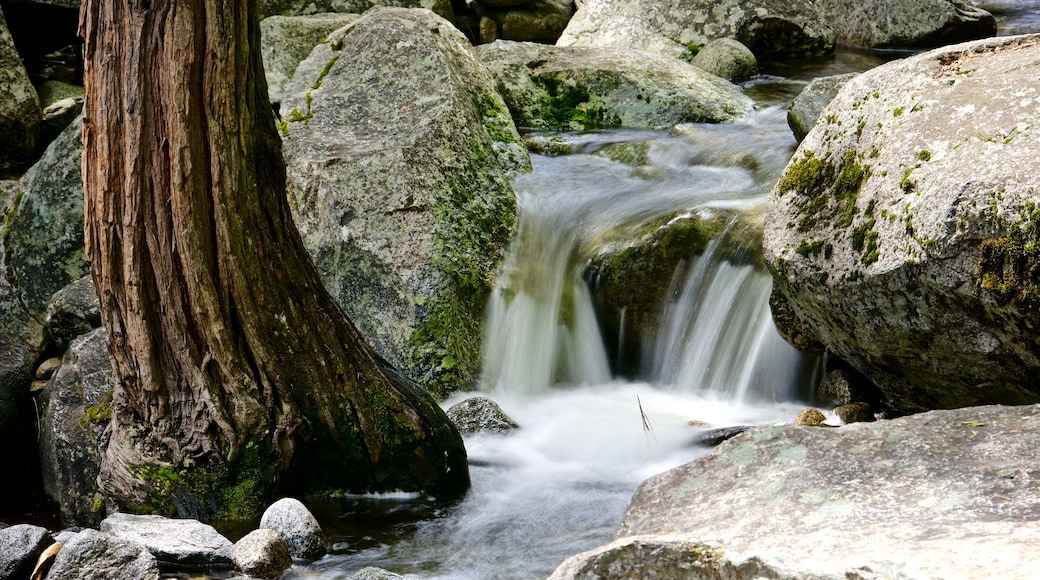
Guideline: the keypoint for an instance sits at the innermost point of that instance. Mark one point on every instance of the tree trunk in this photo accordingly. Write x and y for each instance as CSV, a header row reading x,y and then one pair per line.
x,y
237,375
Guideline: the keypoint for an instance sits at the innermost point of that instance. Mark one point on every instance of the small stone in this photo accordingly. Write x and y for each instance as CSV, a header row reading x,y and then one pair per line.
x,y
855,413
47,368
727,58
810,417
480,415
290,518
262,553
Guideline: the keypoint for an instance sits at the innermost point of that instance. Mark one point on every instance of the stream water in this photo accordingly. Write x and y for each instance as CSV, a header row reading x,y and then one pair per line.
x,y
560,484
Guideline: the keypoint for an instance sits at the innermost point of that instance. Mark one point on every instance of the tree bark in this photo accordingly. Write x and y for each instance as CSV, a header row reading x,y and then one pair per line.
x,y
237,375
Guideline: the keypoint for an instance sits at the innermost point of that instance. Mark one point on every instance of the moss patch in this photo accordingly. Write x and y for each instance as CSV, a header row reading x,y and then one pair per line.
x,y
569,105
1009,267
828,194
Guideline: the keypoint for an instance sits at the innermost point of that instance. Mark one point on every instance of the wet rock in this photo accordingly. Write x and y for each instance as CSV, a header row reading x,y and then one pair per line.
x,y
727,58
295,523
480,415
261,553
178,542
713,437
904,232
76,408
20,113
810,417
905,23
72,312
20,546
854,413
939,494
287,40
806,107
398,182
770,28
583,87
372,573
93,555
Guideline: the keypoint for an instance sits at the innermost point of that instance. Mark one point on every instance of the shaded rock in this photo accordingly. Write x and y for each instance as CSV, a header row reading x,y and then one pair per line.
x,y
727,58
904,232
72,312
268,8
295,523
538,21
854,413
20,113
47,368
287,40
810,417
940,494
372,573
76,408
583,87
770,28
261,553
175,542
480,415
905,23
713,437
20,546
806,107
93,555
398,168
62,103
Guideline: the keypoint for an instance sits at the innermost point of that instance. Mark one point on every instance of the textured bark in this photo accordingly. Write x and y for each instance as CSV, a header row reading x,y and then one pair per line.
x,y
237,374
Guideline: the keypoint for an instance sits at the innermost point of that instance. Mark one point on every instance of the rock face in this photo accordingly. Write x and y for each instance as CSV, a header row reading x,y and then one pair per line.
x,y
905,23
76,408
398,168
20,114
20,546
770,28
905,230
177,542
287,40
581,87
941,494
806,107
295,523
93,555
480,415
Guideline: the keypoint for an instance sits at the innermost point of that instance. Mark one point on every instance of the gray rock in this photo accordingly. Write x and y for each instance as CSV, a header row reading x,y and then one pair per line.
x,y
178,542
904,232
905,23
287,40
944,494
262,553
92,555
398,168
76,408
480,415
295,523
727,58
806,107
582,87
713,437
773,28
72,312
268,8
20,546
20,113
372,573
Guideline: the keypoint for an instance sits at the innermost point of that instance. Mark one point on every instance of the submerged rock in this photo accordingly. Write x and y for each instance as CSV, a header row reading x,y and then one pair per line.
x,y
480,415
295,523
905,23
941,494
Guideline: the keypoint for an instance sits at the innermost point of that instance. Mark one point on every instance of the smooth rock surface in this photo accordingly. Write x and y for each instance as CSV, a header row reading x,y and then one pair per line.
x,y
20,113
262,553
93,555
905,23
20,546
806,107
480,415
295,523
178,542
727,58
943,494
286,40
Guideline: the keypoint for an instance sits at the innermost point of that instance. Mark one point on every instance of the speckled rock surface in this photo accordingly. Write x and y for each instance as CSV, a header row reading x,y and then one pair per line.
x,y
93,555
287,40
944,494
905,23
806,107
398,167
905,231
184,543
585,87
775,28
480,415
20,114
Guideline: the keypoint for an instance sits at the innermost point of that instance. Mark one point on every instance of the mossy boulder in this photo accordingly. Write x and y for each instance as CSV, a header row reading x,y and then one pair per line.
x,y
287,40
905,233
905,23
581,87
677,28
20,113
399,151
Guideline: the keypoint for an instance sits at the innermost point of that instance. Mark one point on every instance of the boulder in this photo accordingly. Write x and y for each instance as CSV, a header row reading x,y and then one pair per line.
x,y
905,23
307,7
20,113
904,231
295,523
398,167
20,546
76,407
578,88
770,28
854,413
72,312
943,494
538,21
181,543
286,40
261,553
93,555
480,415
806,107
727,58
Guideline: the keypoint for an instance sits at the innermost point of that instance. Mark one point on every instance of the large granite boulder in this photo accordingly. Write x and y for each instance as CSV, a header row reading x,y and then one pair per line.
x,y
770,28
76,407
20,546
287,40
905,23
943,494
905,230
20,113
93,555
399,151
582,87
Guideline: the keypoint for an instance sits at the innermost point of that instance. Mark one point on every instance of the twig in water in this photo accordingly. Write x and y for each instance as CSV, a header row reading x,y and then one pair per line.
x,y
648,427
